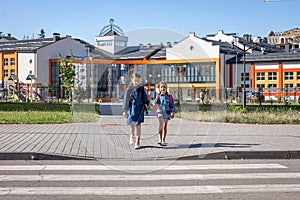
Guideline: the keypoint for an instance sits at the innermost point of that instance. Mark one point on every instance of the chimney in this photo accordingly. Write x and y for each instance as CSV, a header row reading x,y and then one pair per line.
x,y
149,45
220,32
247,37
169,45
262,49
287,47
257,40
192,33
56,37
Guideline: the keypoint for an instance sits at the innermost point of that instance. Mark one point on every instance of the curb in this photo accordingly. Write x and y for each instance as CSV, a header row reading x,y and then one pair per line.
x,y
226,155
39,156
234,155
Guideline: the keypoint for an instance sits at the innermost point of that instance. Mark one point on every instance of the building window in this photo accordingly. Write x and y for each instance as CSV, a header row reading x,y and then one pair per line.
x,y
12,62
55,74
288,75
6,73
12,72
247,86
247,76
272,85
260,85
191,72
202,72
298,87
120,44
260,76
298,75
272,76
5,62
105,43
288,85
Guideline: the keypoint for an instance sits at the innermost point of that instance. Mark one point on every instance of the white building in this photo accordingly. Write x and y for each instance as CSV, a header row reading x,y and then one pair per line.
x,y
25,56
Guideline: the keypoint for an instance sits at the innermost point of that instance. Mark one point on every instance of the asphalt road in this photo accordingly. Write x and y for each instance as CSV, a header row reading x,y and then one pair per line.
x,y
168,179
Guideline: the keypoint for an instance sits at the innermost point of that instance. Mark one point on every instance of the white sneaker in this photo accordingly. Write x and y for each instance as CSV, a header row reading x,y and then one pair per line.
x,y
159,142
137,146
164,143
131,139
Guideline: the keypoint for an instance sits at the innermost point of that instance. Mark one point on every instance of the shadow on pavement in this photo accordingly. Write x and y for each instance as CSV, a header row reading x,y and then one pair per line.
x,y
150,146
205,145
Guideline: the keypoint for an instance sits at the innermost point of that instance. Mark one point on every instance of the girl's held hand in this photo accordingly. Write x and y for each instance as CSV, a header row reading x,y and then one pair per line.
x,y
124,114
172,115
153,107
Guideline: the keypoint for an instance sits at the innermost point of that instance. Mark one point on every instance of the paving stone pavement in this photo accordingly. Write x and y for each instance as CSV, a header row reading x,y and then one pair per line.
x,y
109,139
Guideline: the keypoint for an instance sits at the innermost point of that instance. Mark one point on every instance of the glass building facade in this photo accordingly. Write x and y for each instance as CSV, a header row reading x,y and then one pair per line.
x,y
111,80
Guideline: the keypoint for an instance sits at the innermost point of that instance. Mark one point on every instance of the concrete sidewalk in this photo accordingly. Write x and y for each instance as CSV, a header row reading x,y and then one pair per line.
x,y
109,139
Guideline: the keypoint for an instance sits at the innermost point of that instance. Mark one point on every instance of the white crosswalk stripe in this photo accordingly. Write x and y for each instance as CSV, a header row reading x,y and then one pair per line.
x,y
51,177
15,180
139,167
149,190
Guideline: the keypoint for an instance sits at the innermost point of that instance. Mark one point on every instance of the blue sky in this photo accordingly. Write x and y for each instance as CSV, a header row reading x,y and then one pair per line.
x,y
85,19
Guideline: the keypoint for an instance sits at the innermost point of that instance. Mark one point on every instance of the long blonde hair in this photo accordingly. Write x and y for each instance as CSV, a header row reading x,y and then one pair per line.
x,y
133,76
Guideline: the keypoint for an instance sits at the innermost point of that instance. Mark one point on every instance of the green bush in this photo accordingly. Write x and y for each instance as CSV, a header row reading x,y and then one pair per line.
x,y
42,117
8,106
47,113
35,117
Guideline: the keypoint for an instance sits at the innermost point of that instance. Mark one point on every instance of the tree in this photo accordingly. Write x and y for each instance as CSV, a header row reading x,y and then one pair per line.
x,y
67,76
42,33
265,40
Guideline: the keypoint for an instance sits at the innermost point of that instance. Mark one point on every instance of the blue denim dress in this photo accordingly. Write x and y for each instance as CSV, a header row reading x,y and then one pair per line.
x,y
133,104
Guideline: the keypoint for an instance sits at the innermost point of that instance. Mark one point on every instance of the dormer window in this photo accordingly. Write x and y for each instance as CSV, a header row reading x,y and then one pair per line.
x,y
120,44
105,43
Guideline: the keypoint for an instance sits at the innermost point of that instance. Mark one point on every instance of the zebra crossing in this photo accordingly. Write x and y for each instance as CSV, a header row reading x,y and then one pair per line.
x,y
146,179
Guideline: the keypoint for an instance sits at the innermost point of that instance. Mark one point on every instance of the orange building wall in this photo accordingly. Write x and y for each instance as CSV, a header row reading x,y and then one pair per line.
x,y
252,75
9,67
280,76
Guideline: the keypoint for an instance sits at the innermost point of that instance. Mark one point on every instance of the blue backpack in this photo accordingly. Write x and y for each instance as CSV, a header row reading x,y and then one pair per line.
x,y
171,99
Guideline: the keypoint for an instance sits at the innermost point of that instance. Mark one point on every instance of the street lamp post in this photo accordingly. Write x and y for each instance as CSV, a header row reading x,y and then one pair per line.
x,y
13,81
244,76
11,86
29,78
178,87
178,71
244,69
150,82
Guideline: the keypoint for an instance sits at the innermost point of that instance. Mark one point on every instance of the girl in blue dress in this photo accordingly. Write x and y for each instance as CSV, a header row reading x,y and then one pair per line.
x,y
165,109
133,108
